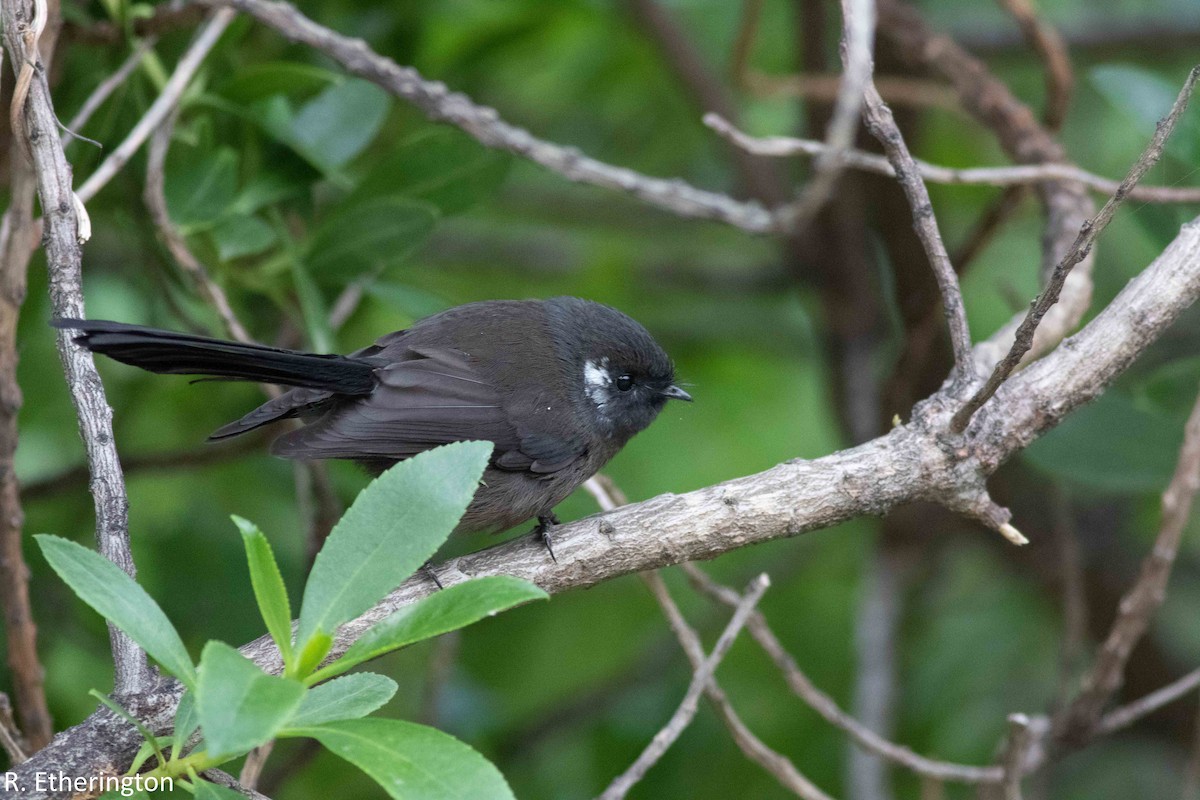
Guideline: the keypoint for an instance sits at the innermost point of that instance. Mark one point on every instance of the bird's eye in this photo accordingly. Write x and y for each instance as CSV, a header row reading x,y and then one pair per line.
x,y
624,383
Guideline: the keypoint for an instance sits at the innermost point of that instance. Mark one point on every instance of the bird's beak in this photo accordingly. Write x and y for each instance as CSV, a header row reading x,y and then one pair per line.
x,y
675,393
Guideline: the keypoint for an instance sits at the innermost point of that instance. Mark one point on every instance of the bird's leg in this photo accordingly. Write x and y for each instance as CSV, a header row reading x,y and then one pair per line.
x,y
544,523
428,572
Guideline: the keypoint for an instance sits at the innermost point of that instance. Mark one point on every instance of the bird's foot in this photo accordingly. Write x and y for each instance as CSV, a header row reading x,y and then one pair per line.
x,y
544,524
428,571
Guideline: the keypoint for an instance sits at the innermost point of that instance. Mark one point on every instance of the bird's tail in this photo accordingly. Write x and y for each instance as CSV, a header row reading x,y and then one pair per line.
x,y
175,353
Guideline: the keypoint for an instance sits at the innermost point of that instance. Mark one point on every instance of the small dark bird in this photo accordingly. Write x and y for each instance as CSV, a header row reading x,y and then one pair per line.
x,y
559,386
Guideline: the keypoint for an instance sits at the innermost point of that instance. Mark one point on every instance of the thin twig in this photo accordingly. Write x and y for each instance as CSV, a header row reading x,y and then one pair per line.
x,y
1051,48
857,45
825,705
253,766
63,256
896,90
10,735
1023,339
1191,772
777,764
155,199
687,708
1144,597
1020,738
609,496
106,87
229,782
162,106
1020,175
883,127
1126,715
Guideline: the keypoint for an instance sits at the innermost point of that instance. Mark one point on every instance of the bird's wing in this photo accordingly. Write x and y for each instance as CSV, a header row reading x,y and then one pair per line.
x,y
432,397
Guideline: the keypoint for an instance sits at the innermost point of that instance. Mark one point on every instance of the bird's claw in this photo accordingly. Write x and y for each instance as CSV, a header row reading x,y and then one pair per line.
x,y
544,524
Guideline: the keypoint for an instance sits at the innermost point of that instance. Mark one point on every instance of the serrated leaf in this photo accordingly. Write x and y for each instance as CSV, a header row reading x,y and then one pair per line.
x,y
450,609
368,236
239,705
269,589
120,600
347,697
397,523
412,762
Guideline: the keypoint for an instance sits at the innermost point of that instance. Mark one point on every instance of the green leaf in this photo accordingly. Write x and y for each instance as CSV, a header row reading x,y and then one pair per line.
x,y
450,609
269,589
348,697
313,653
413,302
240,236
338,123
1143,97
1111,445
367,237
442,166
258,81
412,761
120,600
187,720
201,188
397,523
207,790
312,308
239,705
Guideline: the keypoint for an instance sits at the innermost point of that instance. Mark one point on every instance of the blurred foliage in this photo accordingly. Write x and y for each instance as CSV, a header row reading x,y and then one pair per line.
x,y
293,182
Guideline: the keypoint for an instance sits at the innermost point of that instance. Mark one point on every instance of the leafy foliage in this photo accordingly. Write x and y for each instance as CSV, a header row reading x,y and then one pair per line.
x,y
394,526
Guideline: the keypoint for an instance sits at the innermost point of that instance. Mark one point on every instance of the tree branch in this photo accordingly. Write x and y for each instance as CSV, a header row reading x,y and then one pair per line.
x,y
63,257
1144,598
1020,175
686,712
1023,339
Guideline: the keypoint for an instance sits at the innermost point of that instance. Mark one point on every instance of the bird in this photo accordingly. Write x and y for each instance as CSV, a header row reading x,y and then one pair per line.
x,y
558,387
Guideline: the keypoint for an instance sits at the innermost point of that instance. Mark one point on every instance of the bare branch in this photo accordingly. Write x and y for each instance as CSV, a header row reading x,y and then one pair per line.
x,y
10,735
18,240
883,127
858,43
63,257
687,708
609,497
990,101
106,87
1143,599
754,749
896,90
1125,716
825,705
1023,339
162,106
1021,175
1046,41
155,199
229,782
1020,738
